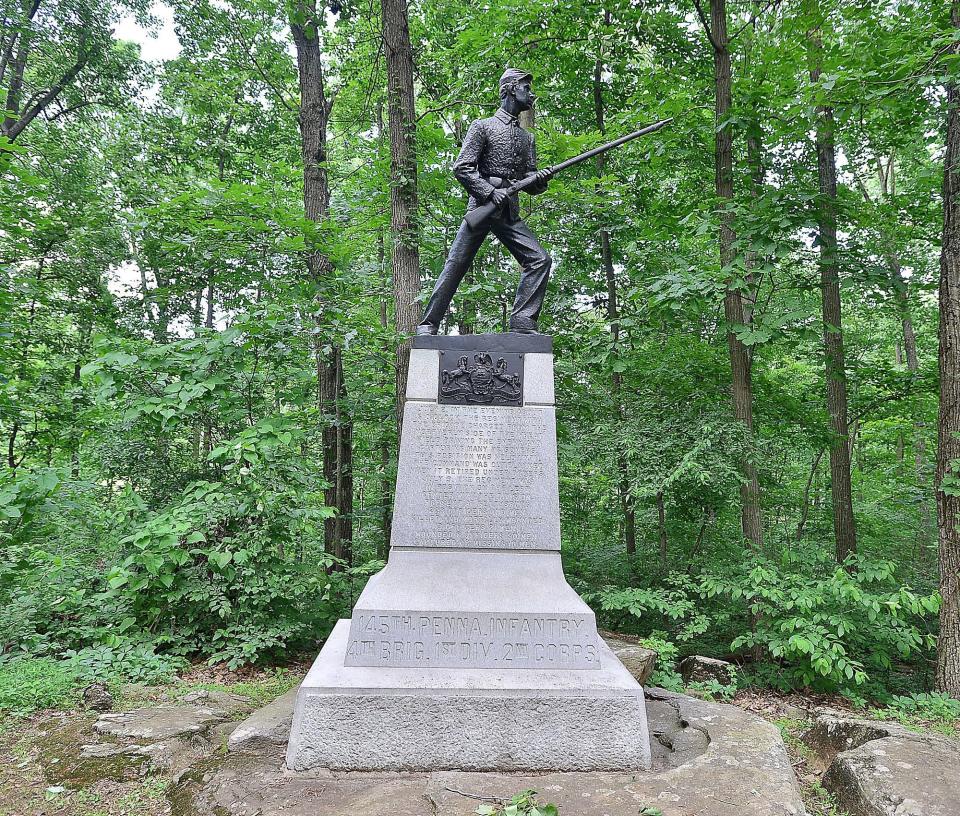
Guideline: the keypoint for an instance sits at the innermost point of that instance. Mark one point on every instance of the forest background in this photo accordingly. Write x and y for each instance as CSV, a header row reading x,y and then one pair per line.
x,y
210,263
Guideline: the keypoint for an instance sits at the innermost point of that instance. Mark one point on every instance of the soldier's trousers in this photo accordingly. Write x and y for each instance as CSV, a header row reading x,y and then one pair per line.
x,y
515,235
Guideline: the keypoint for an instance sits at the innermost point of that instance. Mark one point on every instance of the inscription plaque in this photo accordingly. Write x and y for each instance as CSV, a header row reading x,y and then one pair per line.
x,y
472,640
481,378
478,477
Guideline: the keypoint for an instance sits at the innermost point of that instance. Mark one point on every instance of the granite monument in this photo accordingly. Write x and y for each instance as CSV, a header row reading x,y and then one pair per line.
x,y
469,649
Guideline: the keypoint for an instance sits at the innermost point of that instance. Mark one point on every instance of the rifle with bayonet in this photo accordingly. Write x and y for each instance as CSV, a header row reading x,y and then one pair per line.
x,y
477,216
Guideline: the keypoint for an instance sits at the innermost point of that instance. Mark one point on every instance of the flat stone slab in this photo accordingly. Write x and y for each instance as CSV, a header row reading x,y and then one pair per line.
x,y
159,723
726,762
877,768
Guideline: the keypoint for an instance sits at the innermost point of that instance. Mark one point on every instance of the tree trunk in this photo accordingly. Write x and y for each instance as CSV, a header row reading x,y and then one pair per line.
x,y
337,431
662,532
948,441
15,60
844,524
740,359
613,317
403,184
386,483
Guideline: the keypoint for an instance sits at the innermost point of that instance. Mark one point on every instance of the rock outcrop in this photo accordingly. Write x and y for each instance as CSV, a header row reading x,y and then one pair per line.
x,y
638,660
709,759
700,669
267,729
884,769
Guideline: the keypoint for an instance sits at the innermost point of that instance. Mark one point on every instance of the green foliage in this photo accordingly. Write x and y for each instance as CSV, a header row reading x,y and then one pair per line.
x,y
522,804
922,708
817,624
715,690
665,673
162,492
29,684
126,662
675,603
828,626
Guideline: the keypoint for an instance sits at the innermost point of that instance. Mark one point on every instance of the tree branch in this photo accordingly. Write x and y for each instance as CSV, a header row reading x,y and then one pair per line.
x,y
753,19
706,26
29,115
263,74
8,51
65,111
441,108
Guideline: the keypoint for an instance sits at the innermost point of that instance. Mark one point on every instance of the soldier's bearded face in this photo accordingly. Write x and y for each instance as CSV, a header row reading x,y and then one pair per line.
x,y
523,93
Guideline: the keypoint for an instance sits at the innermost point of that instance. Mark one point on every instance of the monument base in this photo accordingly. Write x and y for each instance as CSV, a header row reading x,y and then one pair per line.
x,y
414,719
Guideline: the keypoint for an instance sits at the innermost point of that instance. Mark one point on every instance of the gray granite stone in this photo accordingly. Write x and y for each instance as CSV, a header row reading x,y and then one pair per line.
x,y
469,649
267,727
379,718
472,609
638,660
422,374
160,722
712,760
700,669
878,768
538,379
477,477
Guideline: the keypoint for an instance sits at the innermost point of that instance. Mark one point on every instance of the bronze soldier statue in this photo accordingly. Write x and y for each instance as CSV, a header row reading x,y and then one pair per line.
x,y
496,154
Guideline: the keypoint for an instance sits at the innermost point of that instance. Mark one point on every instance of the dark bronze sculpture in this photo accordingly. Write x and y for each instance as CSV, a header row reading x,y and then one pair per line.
x,y
497,160
496,153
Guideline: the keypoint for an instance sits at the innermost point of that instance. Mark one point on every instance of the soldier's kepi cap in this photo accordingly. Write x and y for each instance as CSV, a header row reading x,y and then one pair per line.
x,y
512,75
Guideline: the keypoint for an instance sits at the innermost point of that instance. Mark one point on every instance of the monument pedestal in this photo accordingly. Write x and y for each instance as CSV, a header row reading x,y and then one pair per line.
x,y
469,649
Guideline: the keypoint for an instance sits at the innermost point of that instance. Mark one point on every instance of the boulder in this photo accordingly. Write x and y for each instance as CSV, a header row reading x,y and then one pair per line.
x,y
98,697
700,669
831,735
638,660
268,728
884,769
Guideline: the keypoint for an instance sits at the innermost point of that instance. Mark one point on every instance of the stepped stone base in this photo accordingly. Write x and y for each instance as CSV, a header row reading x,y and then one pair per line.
x,y
406,719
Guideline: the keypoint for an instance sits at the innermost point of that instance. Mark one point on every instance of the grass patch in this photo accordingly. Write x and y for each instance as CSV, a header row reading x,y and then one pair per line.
x,y
32,684
260,691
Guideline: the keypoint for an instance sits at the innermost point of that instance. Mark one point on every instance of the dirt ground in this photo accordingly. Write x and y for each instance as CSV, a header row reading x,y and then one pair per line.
x,y
41,773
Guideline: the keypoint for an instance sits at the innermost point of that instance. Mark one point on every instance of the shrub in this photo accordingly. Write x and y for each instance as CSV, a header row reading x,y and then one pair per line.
x,y
937,708
826,626
123,662
817,624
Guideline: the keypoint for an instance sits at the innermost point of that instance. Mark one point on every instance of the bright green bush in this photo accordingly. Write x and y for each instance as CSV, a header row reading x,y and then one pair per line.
x,y
922,707
810,622
123,662
824,625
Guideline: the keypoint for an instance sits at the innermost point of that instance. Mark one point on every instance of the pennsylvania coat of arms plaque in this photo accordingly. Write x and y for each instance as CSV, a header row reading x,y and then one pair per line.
x,y
486,380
